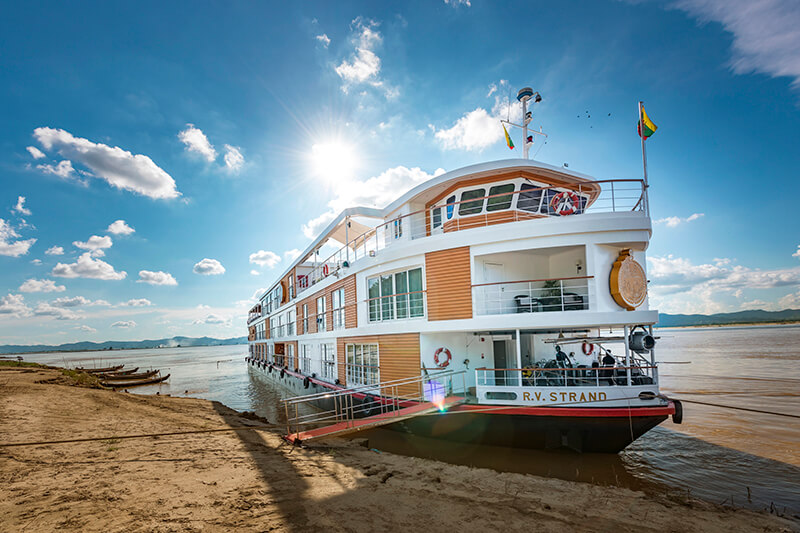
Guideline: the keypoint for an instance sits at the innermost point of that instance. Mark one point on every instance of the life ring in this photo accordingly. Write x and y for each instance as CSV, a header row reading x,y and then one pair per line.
x,y
447,357
588,348
306,382
325,269
565,203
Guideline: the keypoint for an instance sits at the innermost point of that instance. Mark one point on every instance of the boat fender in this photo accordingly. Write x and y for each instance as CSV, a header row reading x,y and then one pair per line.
x,y
269,367
283,373
677,416
588,348
444,360
368,405
306,382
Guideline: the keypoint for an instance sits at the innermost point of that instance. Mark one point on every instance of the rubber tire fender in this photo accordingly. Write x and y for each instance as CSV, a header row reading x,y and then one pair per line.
x,y
306,382
368,405
677,416
283,373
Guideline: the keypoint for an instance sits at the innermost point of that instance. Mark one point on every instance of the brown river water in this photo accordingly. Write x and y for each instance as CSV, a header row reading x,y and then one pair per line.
x,y
738,457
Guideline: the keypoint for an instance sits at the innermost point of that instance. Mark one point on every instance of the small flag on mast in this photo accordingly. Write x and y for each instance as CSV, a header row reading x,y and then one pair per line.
x,y
649,127
509,142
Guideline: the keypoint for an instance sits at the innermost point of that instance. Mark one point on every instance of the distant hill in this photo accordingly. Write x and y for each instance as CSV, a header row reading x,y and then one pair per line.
x,y
739,317
122,345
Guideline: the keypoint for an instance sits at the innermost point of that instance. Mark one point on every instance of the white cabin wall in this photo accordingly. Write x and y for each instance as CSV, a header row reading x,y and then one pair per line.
x,y
463,346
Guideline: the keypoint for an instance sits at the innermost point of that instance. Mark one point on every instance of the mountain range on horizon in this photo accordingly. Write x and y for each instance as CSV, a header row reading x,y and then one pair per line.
x,y
665,320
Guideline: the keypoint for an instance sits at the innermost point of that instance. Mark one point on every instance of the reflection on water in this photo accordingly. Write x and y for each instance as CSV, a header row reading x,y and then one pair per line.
x,y
716,453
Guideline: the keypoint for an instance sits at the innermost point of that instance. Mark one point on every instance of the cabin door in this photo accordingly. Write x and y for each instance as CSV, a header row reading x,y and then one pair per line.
x,y
500,361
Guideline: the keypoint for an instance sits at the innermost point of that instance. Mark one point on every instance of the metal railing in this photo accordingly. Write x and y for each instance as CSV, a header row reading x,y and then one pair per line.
x,y
385,398
396,306
554,375
532,296
602,196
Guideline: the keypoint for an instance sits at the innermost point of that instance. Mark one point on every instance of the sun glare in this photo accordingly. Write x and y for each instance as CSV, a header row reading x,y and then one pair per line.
x,y
333,160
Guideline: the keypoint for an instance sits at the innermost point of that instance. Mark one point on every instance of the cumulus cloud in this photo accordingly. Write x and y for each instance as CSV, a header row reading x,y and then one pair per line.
x,y
138,302
36,261
63,169
196,141
85,328
797,253
255,273
766,34
119,227
119,168
35,152
88,267
377,191
672,222
41,285
14,305
292,254
59,313
156,278
456,3
265,258
323,39
234,160
20,207
54,250
95,244
124,324
211,319
364,64
9,244
75,301
209,267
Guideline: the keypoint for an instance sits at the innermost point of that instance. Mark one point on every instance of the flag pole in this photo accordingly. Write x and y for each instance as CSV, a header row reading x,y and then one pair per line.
x,y
644,158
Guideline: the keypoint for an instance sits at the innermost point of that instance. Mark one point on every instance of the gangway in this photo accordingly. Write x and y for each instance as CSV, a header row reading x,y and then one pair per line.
x,y
355,409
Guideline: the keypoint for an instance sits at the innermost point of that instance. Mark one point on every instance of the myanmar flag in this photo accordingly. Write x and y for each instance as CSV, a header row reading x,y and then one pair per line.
x,y
649,127
509,142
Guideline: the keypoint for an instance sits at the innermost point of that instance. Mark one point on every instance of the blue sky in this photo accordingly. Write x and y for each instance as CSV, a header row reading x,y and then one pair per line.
x,y
172,156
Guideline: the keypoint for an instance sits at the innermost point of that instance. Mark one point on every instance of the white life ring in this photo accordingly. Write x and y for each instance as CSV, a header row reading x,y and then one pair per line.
x,y
565,203
325,270
446,359
588,348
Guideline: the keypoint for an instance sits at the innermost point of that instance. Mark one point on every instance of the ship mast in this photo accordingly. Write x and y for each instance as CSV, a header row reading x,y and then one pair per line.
x,y
525,94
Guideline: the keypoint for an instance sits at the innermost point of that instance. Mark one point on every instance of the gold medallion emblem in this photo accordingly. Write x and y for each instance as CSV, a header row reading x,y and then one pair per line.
x,y
628,281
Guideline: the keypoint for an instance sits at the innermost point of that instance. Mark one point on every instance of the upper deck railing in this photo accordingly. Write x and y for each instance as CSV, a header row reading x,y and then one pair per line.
x,y
602,196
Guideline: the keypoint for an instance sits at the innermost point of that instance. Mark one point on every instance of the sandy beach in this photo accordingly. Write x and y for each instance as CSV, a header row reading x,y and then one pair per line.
x,y
250,480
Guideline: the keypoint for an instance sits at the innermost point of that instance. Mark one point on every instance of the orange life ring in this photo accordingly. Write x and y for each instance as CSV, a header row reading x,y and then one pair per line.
x,y
447,357
588,348
565,203
325,269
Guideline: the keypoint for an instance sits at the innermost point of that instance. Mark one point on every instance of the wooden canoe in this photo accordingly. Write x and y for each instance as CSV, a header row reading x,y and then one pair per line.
x,y
133,383
124,372
127,377
99,370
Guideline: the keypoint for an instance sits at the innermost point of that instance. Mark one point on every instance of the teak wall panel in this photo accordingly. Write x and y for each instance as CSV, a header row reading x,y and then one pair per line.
x,y
398,356
449,284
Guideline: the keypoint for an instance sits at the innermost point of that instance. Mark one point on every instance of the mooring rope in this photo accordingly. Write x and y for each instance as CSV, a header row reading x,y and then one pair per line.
x,y
739,408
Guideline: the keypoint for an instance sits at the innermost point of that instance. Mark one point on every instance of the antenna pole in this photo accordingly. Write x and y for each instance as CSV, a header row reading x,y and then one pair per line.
x,y
644,159
525,128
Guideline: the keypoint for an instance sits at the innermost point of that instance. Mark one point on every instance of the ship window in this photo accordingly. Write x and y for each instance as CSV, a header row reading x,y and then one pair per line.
x,y
328,361
530,198
305,318
500,202
469,205
362,364
437,217
396,296
321,325
450,205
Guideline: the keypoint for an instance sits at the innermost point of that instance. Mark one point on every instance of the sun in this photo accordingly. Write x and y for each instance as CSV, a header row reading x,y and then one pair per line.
x,y
333,161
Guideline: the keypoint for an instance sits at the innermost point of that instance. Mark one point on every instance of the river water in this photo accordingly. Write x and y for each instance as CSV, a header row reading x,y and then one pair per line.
x,y
738,457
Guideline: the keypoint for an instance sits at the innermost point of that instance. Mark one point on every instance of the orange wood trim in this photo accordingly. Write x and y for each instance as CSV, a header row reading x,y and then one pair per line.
x,y
448,284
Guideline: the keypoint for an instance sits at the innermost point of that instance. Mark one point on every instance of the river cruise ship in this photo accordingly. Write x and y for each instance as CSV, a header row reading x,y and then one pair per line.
x,y
516,287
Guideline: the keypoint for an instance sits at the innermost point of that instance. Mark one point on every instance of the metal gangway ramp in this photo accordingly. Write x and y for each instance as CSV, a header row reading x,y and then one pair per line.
x,y
355,409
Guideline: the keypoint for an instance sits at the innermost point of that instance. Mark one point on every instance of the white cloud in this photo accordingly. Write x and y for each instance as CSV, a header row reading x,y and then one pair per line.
x,y
13,304
124,324
766,34
95,244
35,152
36,261
292,254
255,273
87,267
87,329
119,227
196,141
323,39
59,313
20,207
209,267
156,278
265,258
64,169
455,3
138,302
474,131
75,301
41,285
672,222
377,191
211,319
120,168
364,65
9,246
54,250
797,253
234,160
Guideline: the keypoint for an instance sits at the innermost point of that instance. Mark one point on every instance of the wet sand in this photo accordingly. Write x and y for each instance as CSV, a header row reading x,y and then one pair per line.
x,y
251,481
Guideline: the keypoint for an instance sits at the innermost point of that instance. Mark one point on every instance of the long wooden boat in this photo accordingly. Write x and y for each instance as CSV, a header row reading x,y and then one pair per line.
x,y
123,372
133,383
126,377
99,370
